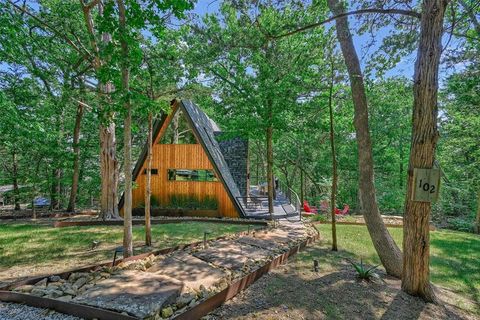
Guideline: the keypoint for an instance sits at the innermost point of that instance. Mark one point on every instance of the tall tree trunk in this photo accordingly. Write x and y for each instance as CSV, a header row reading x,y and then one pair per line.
x,y
76,159
416,238
108,162
270,183
16,191
402,158
56,189
127,207
384,244
148,189
108,170
302,188
334,165
477,222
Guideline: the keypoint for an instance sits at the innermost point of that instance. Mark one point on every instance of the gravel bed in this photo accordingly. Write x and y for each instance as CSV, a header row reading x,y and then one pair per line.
x,y
14,311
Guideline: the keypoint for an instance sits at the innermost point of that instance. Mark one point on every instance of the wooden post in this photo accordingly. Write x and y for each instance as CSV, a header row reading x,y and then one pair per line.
x,y
148,189
334,163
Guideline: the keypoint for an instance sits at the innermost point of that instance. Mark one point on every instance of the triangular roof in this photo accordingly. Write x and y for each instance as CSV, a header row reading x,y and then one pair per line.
x,y
203,128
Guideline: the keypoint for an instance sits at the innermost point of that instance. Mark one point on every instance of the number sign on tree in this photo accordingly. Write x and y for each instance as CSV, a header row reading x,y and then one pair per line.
x,y
427,185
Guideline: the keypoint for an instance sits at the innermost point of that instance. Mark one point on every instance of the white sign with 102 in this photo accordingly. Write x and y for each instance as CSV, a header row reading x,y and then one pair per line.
x,y
426,185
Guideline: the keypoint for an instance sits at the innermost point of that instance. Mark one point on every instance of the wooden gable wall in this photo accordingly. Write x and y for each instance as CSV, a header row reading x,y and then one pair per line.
x,y
180,156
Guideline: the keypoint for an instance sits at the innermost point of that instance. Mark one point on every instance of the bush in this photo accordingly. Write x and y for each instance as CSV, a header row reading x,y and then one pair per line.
x,y
319,217
192,202
460,224
363,272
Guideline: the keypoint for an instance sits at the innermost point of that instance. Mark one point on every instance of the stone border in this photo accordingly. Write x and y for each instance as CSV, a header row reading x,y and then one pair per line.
x,y
77,310
48,215
62,224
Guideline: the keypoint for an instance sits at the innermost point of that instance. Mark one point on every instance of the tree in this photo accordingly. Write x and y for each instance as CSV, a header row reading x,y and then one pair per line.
x,y
76,161
101,65
254,74
416,241
384,244
334,160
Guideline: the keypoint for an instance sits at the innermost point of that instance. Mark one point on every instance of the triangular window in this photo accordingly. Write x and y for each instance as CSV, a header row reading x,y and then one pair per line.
x,y
178,131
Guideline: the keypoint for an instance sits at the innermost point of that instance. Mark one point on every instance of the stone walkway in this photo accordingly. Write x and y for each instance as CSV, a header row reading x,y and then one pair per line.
x,y
161,287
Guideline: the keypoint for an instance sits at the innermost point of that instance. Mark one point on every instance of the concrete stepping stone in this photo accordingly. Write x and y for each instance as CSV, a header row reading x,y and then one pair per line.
x,y
189,270
279,235
262,243
230,254
135,292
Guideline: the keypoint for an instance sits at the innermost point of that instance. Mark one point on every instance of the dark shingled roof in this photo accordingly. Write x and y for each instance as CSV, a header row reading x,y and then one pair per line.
x,y
204,129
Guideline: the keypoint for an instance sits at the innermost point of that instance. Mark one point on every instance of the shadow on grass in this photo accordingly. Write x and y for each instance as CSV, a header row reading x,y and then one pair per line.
x,y
28,245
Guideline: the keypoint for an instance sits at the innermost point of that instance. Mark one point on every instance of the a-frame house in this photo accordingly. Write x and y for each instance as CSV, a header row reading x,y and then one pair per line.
x,y
189,163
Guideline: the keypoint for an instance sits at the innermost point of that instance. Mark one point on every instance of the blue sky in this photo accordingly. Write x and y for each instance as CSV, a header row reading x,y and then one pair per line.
x,y
404,68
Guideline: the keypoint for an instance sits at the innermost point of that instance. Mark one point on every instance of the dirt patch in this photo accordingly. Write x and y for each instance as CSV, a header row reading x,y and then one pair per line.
x,y
295,291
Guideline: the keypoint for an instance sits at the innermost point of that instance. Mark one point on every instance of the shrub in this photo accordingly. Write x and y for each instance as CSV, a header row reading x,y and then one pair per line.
x,y
363,272
181,201
319,217
460,224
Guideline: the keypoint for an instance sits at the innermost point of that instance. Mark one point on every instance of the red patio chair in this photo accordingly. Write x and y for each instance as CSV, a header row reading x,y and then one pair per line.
x,y
309,209
345,210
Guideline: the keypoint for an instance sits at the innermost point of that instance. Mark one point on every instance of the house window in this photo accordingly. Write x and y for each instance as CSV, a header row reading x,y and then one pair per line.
x,y
191,175
152,171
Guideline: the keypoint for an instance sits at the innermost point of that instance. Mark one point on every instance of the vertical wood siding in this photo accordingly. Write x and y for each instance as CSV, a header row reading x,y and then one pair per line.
x,y
181,156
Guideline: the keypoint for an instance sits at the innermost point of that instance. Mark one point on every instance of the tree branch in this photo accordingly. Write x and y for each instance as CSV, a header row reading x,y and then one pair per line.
x,y
92,4
46,25
409,13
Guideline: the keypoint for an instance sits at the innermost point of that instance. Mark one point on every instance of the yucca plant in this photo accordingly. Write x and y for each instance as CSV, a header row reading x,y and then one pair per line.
x,y
364,272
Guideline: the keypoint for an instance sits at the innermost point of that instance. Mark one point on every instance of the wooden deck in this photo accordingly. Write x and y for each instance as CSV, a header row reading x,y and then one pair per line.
x,y
282,208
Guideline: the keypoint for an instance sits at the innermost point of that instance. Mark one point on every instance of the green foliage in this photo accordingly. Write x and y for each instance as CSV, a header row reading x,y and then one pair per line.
x,y
181,201
319,217
363,272
459,224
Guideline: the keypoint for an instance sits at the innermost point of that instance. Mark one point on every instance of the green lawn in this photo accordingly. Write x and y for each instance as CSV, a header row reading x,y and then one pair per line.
x,y
27,245
455,256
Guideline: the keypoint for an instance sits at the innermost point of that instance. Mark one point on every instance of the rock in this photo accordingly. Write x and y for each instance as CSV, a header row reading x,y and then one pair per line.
x,y
185,299
39,292
167,312
148,264
77,275
54,278
70,291
222,285
42,283
85,288
65,298
52,287
25,288
54,293
80,282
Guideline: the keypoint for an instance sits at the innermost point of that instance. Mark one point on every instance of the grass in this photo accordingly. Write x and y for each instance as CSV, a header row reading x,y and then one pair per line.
x,y
35,245
455,256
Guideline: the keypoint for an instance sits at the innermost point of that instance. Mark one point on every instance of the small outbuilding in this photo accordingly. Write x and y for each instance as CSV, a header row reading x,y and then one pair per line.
x,y
195,171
